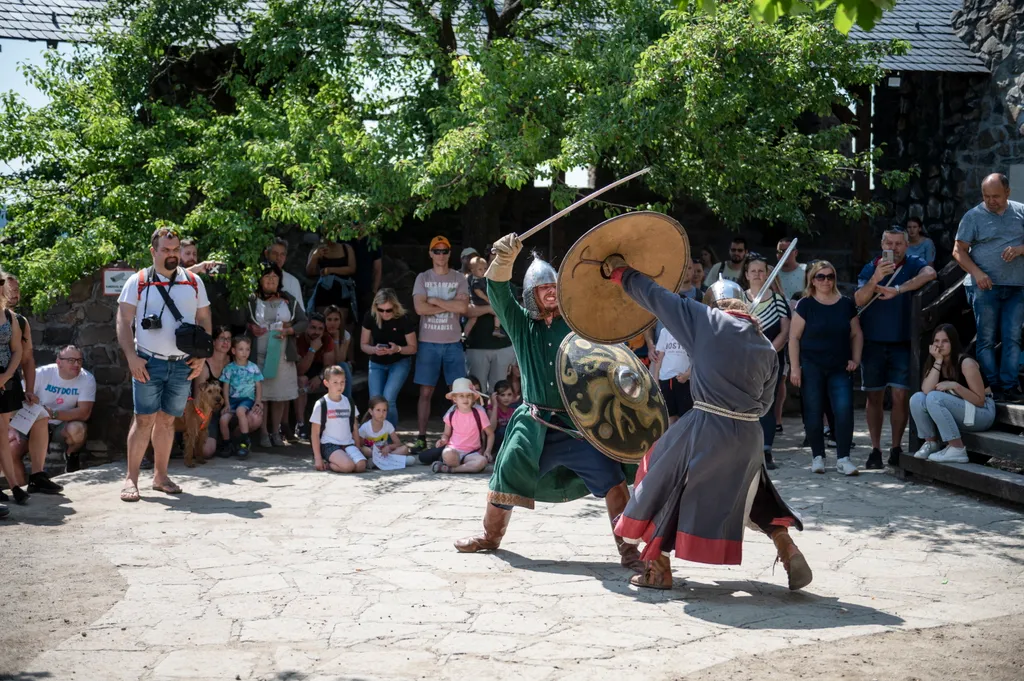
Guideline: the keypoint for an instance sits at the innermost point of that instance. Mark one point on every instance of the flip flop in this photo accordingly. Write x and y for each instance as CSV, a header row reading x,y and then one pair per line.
x,y
130,493
167,488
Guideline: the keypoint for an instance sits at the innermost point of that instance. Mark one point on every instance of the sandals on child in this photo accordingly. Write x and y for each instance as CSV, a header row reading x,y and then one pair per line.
x,y
440,467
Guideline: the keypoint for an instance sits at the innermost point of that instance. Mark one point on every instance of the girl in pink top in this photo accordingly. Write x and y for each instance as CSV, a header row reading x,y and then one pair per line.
x,y
468,435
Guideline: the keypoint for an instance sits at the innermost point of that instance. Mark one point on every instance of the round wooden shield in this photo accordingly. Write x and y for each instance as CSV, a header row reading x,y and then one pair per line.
x,y
611,397
597,308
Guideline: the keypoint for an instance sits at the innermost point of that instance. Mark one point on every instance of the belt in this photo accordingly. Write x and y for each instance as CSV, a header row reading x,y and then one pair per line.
x,y
721,411
166,358
535,415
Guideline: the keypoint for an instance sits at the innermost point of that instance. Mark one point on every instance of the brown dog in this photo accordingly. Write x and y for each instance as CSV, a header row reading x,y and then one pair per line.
x,y
196,419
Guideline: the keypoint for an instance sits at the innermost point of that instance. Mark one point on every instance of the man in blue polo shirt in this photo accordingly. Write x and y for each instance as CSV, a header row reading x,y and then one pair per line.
x,y
886,325
989,246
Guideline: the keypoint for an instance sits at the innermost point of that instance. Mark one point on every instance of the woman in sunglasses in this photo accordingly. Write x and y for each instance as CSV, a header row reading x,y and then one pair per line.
x,y
389,339
824,351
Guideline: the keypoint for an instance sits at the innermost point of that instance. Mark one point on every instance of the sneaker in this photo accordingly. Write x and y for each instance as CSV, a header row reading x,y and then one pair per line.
x,y
146,464
769,462
420,443
847,467
276,440
874,462
73,462
40,482
778,427
1015,395
265,441
242,450
951,454
4,497
4,511
818,464
223,449
302,431
894,456
20,495
412,460
927,449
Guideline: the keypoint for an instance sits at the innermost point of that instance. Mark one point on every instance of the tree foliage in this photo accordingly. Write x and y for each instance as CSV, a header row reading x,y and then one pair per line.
x,y
863,13
351,117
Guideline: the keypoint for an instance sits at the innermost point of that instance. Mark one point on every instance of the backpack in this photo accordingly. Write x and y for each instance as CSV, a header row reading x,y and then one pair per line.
x,y
476,417
323,412
190,279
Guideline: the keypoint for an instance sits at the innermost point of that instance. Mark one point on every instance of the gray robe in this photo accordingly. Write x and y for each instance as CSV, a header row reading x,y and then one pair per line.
x,y
705,477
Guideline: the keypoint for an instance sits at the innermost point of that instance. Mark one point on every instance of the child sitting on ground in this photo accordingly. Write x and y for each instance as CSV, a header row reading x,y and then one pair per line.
x,y
468,436
243,389
378,440
503,405
333,431
478,296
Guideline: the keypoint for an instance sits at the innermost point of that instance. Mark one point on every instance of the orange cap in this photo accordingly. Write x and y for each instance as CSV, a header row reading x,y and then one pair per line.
x,y
440,241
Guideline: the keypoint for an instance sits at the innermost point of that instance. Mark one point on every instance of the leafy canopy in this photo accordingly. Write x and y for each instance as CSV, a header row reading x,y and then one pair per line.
x,y
354,116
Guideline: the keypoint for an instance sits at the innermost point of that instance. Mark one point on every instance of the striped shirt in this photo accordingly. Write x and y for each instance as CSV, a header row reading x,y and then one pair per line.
x,y
770,313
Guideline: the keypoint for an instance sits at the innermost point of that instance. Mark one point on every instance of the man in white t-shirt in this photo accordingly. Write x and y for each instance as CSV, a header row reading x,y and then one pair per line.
x,y
67,392
793,274
731,269
672,368
277,253
161,373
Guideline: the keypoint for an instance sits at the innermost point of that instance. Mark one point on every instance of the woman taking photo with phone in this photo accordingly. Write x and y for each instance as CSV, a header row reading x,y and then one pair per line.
x,y
389,339
954,396
825,344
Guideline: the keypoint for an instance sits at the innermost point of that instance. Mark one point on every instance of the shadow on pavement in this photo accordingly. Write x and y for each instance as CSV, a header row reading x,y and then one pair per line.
x,y
204,505
42,510
26,676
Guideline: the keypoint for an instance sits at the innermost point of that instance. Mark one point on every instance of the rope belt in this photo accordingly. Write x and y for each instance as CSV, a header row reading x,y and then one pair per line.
x,y
720,411
535,415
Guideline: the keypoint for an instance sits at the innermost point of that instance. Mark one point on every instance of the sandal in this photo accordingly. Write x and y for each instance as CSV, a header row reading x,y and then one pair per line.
x,y
440,467
167,487
651,578
130,493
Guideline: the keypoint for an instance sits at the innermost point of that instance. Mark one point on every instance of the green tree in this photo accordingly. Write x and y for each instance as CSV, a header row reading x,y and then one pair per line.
x,y
351,117
864,13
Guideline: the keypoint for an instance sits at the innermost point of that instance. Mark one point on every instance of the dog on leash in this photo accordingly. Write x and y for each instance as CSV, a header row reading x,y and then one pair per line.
x,y
193,424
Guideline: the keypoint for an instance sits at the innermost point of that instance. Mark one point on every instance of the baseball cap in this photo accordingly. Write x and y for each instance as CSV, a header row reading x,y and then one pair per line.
x,y
469,250
440,241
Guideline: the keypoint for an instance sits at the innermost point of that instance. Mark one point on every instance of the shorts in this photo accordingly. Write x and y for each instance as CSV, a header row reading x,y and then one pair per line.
x,y
885,364
351,451
167,389
57,431
236,402
677,396
432,357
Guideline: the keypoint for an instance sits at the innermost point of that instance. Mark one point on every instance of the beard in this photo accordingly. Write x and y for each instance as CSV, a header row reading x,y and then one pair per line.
x,y
171,264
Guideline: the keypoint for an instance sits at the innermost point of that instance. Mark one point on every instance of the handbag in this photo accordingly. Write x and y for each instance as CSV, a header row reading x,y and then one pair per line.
x,y
191,339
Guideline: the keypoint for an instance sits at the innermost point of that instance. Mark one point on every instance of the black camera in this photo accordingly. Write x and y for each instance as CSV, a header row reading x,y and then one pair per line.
x,y
152,322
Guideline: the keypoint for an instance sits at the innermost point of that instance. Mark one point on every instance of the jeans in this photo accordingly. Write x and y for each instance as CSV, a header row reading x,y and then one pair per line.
x,y
817,382
387,380
1001,308
768,420
942,412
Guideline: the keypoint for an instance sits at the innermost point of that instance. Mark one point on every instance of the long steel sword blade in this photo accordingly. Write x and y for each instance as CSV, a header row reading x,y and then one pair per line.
x,y
773,276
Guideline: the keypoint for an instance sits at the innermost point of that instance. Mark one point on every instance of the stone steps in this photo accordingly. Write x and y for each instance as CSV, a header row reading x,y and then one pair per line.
x,y
973,476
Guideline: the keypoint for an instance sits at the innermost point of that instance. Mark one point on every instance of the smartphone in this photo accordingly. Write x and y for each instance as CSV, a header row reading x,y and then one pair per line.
x,y
887,256
383,346
219,269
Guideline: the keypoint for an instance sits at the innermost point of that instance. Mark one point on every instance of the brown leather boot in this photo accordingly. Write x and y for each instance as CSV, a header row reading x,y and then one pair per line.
x,y
495,523
629,555
796,565
657,574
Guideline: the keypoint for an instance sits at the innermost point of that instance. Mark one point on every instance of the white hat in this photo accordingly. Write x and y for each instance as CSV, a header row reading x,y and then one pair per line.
x,y
462,386
469,250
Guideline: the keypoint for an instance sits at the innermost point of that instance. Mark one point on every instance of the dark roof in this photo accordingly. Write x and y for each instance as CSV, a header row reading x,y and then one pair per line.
x,y
927,26
54,20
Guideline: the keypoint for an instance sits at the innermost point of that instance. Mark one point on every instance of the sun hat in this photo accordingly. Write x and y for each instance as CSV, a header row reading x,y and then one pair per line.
x,y
467,251
440,241
463,386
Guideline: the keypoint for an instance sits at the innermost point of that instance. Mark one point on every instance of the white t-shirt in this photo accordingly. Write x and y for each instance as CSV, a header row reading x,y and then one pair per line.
x,y
374,439
58,394
727,273
793,282
290,284
187,299
676,361
337,430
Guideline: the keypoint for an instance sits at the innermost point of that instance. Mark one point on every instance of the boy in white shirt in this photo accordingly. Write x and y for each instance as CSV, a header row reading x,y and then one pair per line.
x,y
333,427
672,369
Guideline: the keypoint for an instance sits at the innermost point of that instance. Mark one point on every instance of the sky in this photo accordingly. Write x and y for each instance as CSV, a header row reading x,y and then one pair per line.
x,y
13,53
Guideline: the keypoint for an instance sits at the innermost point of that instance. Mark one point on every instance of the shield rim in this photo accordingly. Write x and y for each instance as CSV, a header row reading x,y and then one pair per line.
x,y
572,249
560,357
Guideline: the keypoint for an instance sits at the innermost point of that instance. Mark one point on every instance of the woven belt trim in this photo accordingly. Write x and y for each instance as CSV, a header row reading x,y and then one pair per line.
x,y
721,411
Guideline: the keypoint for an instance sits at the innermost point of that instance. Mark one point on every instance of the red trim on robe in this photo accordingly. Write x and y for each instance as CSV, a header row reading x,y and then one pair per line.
x,y
617,275
687,546
788,521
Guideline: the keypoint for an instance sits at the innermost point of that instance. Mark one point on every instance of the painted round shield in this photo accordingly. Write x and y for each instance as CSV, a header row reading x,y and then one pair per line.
x,y
597,308
611,397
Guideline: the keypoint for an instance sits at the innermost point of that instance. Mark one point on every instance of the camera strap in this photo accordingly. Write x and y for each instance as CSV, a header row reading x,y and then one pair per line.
x,y
168,302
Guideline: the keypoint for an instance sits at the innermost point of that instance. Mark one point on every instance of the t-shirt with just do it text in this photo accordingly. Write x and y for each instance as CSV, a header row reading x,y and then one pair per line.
x,y
59,394
442,327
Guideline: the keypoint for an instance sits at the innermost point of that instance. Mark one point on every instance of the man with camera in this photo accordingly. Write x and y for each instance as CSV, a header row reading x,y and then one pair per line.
x,y
884,301
170,312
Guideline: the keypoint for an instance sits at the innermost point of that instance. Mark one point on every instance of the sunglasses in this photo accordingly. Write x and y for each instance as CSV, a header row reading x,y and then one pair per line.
x,y
440,251
824,277
385,310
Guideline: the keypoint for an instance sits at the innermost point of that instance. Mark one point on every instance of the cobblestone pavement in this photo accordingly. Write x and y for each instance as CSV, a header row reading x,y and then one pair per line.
x,y
267,569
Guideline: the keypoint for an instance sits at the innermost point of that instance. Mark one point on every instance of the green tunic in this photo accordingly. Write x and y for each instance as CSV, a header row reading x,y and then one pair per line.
x,y
516,470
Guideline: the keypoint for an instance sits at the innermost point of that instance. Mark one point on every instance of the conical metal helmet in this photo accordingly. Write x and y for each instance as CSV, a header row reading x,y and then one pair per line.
x,y
723,289
538,274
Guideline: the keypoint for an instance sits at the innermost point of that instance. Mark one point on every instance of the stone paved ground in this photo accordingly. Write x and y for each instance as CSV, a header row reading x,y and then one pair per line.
x,y
268,569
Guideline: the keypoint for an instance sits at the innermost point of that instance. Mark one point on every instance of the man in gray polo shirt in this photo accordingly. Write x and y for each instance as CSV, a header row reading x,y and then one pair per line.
x,y
989,246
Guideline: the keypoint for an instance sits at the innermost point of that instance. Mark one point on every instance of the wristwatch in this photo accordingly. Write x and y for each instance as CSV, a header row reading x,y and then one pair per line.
x,y
897,288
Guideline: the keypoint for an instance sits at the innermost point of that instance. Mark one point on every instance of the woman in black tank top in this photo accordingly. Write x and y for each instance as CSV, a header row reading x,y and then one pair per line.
x,y
335,265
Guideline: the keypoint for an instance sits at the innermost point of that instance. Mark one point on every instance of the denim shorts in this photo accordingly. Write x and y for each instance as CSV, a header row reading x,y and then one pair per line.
x,y
432,357
167,389
236,402
885,364
351,451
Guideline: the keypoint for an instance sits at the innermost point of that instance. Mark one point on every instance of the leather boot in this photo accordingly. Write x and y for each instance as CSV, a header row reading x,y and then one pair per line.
x,y
796,565
495,523
629,555
657,574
